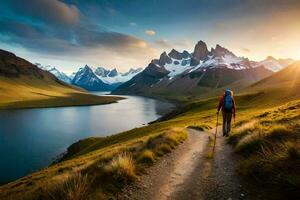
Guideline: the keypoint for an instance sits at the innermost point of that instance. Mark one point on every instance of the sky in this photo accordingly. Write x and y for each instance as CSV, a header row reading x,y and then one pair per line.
x,y
127,34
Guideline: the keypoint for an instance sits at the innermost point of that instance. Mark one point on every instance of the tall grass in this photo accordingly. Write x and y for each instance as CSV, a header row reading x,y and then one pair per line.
x,y
122,168
147,157
76,187
271,149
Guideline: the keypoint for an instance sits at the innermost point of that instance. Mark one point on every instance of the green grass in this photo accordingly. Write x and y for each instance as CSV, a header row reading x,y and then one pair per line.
x,y
75,187
271,148
101,161
266,134
25,92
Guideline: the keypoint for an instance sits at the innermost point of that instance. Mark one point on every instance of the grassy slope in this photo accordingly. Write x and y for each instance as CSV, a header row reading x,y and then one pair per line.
x,y
27,92
95,157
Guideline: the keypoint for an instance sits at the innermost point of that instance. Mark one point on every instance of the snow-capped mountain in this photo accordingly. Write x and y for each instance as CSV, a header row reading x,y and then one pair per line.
x,y
274,64
177,63
101,79
60,75
200,70
114,77
87,79
94,79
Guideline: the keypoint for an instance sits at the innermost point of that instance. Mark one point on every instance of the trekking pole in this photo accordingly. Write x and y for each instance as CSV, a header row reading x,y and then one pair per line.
x,y
215,139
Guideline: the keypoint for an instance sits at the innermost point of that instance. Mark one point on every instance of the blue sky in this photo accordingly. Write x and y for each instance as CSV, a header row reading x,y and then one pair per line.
x,y
129,33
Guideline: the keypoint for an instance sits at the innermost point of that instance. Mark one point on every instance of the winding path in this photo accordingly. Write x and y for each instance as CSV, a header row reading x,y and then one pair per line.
x,y
188,174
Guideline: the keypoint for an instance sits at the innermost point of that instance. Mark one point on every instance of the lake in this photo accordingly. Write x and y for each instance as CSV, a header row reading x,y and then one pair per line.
x,y
31,138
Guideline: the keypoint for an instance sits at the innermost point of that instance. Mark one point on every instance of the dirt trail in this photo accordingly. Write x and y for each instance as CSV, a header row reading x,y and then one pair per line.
x,y
187,174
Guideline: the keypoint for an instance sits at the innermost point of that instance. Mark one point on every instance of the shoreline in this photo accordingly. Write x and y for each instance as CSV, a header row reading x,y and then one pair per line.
x,y
59,102
60,157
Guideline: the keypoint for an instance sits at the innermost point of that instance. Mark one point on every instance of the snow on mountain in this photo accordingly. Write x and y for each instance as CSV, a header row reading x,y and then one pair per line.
x,y
87,79
60,75
187,71
72,75
177,63
101,79
115,77
176,67
91,78
274,64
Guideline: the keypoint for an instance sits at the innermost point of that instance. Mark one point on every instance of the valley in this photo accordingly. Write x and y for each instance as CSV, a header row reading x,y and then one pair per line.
x,y
149,100
268,111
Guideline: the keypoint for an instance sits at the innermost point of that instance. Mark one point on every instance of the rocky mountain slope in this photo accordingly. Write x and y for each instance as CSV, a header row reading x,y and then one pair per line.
x,y
199,71
93,79
101,79
53,70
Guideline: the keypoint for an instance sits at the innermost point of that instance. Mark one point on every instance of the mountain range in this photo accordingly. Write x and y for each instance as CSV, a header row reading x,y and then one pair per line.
x,y
177,72
60,75
93,79
199,72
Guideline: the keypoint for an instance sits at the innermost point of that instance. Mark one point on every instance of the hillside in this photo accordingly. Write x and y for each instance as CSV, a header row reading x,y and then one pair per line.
x,y
289,75
103,166
23,85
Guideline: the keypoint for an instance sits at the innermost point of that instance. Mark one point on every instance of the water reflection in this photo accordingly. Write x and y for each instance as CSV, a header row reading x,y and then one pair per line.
x,y
30,138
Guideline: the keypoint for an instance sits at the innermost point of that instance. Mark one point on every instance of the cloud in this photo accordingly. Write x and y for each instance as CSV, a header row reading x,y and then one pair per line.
x,y
150,32
246,50
132,24
49,11
163,43
83,43
52,41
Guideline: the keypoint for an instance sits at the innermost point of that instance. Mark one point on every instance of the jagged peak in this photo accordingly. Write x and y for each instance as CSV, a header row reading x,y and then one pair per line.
x,y
220,51
201,42
270,58
200,53
163,54
173,51
87,67
113,73
219,47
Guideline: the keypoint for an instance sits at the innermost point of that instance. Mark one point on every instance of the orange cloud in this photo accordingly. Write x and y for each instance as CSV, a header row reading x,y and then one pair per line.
x,y
150,32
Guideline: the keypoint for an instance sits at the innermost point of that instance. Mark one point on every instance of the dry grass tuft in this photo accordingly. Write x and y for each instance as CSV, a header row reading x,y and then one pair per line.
x,y
122,168
76,187
147,157
163,149
250,142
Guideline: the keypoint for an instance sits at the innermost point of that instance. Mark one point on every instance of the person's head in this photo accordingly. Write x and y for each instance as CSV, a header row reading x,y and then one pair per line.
x,y
228,92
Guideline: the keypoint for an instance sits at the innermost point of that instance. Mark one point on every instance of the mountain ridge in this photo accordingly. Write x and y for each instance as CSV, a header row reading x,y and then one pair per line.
x,y
93,79
184,72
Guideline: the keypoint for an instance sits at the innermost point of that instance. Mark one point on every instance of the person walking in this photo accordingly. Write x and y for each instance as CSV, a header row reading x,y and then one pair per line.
x,y
227,104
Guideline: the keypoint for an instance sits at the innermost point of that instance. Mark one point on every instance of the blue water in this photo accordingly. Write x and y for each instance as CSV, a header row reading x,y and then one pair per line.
x,y
31,138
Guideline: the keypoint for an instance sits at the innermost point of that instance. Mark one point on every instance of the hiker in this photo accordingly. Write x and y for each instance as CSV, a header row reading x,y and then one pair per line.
x,y
228,109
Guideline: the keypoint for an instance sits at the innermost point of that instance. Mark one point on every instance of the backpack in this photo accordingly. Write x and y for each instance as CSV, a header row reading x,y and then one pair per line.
x,y
228,102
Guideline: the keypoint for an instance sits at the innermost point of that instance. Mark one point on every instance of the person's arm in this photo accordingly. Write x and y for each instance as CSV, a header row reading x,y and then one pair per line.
x,y
221,102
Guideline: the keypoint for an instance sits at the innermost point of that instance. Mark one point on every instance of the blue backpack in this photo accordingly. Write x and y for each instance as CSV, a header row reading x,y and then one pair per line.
x,y
228,101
